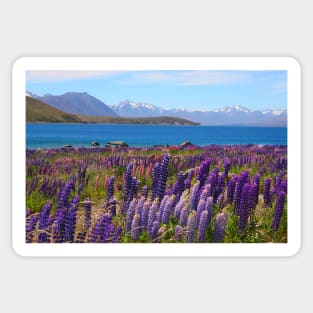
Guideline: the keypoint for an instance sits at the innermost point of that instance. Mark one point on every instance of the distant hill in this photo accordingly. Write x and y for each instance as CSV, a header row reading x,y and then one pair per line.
x,y
37,111
77,103
160,120
234,115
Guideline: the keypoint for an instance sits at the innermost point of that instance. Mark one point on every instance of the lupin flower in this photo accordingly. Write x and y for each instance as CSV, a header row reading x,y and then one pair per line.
x,y
128,181
183,216
266,191
43,238
144,191
194,196
253,196
154,230
242,179
191,227
181,203
226,167
189,178
59,225
110,191
31,223
178,234
134,188
220,227
163,175
200,208
180,182
44,215
117,234
283,186
130,214
204,194
204,171
244,208
162,206
278,210
155,179
202,226
145,214
167,211
213,180
209,207
135,227
152,214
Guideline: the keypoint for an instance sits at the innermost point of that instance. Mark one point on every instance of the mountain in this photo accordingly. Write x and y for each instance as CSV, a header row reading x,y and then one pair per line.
x,y
77,103
230,115
37,111
137,109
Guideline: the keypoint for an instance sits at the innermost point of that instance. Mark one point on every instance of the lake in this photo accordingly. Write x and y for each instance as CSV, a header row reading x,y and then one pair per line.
x,y
78,135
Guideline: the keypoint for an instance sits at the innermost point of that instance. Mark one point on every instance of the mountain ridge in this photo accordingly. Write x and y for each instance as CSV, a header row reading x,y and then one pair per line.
x,y
228,115
87,105
77,103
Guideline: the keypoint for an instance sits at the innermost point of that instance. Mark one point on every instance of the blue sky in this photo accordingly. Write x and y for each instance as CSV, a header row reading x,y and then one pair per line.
x,y
169,89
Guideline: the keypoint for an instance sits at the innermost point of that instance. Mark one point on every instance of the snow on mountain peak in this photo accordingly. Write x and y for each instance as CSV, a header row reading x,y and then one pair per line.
x,y
241,108
136,105
274,112
228,109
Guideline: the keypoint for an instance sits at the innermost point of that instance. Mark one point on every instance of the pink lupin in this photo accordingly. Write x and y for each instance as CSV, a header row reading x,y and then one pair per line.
x,y
106,181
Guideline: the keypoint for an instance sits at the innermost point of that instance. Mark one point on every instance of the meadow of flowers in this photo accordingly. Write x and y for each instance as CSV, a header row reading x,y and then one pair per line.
x,y
212,194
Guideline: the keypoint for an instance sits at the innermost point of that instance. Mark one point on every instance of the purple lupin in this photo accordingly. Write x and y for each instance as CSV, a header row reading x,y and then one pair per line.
x,y
220,227
278,210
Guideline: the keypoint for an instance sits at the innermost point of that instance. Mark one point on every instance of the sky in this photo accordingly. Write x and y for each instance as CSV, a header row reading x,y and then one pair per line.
x,y
203,90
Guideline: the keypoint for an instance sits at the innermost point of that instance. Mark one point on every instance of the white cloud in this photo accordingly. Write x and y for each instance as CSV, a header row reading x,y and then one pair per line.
x,y
187,78
60,75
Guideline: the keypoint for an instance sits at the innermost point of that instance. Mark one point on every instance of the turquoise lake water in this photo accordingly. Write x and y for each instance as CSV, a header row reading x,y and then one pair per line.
x,y
78,135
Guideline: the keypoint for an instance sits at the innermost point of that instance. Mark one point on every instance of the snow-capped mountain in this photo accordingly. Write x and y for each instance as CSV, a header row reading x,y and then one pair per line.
x,y
130,108
229,115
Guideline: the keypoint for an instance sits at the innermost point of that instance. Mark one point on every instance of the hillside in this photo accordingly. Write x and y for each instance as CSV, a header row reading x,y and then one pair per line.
x,y
161,120
37,111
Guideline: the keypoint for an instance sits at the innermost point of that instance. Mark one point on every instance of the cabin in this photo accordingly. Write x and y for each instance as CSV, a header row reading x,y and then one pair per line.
x,y
116,144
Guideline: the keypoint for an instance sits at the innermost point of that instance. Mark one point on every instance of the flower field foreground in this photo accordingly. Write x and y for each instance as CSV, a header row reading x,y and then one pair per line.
x,y
209,194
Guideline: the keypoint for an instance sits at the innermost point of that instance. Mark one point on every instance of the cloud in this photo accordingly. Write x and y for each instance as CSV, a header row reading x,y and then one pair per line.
x,y
187,78
60,75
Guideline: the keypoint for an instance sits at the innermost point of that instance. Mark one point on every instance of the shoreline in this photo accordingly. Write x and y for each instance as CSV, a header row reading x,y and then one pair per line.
x,y
178,147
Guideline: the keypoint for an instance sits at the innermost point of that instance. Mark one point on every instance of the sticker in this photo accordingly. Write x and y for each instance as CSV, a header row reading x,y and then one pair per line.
x,y
156,156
